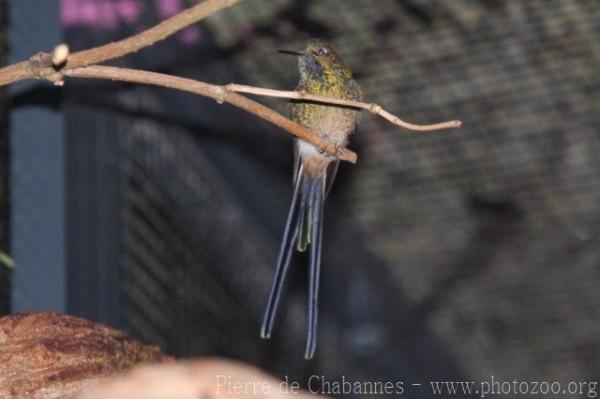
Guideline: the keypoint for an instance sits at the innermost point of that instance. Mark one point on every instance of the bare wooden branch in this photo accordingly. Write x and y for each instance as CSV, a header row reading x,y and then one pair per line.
x,y
371,107
218,93
40,65
79,64
58,64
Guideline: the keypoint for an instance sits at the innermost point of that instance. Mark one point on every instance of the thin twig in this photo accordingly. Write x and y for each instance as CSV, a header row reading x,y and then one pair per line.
x,y
371,107
218,93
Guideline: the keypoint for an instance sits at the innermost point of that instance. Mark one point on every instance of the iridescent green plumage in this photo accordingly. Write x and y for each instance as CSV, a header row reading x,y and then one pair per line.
x,y
326,75
322,72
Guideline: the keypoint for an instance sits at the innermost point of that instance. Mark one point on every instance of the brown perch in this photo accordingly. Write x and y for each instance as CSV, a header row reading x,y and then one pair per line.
x,y
51,355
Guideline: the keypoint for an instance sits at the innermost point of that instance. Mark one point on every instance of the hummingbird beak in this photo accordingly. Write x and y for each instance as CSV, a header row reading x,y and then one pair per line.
x,y
291,52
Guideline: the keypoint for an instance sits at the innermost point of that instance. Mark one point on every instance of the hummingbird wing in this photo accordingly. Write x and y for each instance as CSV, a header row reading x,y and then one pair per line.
x,y
296,160
332,170
304,220
303,227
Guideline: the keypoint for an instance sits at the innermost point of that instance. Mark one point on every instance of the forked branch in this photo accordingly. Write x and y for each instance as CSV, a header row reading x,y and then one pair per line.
x,y
58,64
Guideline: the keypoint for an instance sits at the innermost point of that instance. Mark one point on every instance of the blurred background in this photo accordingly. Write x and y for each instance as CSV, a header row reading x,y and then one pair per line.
x,y
453,255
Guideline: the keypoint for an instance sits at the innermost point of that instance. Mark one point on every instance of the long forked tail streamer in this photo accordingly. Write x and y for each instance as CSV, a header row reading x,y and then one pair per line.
x,y
285,254
317,196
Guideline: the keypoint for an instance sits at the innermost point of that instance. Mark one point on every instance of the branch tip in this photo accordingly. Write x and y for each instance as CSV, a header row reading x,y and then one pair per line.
x,y
371,107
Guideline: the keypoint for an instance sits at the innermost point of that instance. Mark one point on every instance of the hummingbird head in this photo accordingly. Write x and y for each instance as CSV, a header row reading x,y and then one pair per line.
x,y
319,61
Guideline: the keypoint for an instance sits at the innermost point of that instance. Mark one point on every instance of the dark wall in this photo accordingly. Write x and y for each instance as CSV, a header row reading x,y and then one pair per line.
x,y
37,168
4,164
459,254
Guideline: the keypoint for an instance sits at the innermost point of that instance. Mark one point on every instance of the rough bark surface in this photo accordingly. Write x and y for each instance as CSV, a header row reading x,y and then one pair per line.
x,y
51,355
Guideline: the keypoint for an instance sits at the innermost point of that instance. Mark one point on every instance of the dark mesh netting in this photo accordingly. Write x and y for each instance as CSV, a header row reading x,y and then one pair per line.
x,y
460,254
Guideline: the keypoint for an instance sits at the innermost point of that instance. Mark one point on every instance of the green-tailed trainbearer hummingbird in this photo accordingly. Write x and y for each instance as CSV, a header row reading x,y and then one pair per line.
x,y
322,72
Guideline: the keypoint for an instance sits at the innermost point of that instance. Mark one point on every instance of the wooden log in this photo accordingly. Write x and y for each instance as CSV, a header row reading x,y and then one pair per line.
x,y
51,355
